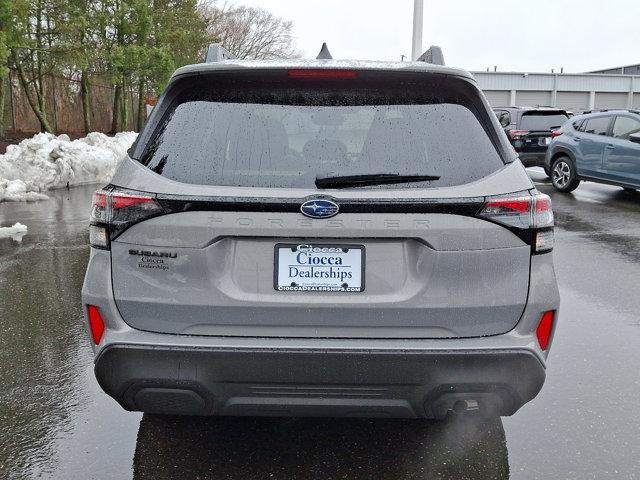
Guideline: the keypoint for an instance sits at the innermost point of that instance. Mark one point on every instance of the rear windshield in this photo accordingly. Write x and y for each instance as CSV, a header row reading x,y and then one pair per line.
x,y
542,120
286,133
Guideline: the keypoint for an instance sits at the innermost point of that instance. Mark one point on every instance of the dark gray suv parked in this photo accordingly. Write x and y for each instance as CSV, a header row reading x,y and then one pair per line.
x,y
321,238
530,130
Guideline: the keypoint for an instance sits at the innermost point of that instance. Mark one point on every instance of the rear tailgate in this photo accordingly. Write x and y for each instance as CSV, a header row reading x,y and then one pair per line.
x,y
426,275
536,127
233,158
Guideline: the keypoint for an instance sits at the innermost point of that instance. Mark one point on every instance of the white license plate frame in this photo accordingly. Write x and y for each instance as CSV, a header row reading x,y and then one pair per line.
x,y
285,255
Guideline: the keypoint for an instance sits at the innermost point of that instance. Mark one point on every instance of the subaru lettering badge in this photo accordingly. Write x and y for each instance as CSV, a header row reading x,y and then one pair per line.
x,y
319,208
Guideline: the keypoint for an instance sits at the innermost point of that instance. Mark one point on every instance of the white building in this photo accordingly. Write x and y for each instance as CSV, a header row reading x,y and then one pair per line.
x,y
571,91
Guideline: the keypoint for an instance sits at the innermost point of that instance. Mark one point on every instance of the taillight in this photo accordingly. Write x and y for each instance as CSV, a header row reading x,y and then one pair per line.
x,y
116,210
518,134
556,133
322,73
523,213
542,211
119,200
512,211
96,323
543,332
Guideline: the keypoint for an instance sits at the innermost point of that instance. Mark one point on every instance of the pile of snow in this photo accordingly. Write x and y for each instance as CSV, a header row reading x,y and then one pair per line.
x,y
16,190
46,161
17,231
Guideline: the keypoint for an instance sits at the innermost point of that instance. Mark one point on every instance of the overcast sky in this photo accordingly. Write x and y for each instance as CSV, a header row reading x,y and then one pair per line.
x,y
515,35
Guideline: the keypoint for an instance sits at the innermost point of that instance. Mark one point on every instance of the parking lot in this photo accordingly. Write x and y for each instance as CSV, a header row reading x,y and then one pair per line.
x,y
584,424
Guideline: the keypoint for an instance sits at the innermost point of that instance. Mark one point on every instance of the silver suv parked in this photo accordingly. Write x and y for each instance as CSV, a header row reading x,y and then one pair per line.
x,y
321,238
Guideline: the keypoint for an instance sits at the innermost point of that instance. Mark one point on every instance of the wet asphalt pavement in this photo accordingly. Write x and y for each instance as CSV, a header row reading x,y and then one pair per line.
x,y
585,424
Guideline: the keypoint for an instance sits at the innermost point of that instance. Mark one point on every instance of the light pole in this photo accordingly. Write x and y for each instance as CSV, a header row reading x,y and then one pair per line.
x,y
418,18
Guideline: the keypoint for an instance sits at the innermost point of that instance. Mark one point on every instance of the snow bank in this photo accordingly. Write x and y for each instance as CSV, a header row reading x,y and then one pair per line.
x,y
46,161
17,231
16,190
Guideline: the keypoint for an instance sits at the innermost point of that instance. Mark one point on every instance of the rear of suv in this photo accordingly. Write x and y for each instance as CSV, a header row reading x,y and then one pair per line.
x,y
313,238
530,131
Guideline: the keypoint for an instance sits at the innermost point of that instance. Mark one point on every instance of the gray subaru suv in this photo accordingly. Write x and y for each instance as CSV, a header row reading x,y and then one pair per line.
x,y
321,238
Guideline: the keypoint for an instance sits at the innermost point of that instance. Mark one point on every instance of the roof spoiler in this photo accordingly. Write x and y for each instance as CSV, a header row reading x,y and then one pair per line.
x,y
434,56
217,53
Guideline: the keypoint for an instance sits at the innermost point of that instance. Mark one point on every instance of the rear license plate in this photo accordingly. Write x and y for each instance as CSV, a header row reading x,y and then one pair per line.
x,y
319,268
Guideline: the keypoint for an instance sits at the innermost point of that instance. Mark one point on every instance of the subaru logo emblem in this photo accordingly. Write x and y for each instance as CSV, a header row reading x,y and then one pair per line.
x,y
319,208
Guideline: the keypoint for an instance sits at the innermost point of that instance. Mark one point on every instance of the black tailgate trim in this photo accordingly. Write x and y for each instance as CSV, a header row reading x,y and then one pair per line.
x,y
175,204
468,207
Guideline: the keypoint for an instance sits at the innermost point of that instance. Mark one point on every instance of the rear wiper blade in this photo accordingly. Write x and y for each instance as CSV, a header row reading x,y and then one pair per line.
x,y
347,181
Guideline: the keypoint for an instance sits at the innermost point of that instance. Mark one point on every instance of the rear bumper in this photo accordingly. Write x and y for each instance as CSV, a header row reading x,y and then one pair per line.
x,y
318,382
319,376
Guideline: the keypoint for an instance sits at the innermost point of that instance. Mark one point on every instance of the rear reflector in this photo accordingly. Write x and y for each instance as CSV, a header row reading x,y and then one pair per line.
x,y
96,323
322,73
543,332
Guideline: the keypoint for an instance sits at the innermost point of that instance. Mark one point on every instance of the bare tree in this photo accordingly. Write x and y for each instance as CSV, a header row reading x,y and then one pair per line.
x,y
249,32
35,59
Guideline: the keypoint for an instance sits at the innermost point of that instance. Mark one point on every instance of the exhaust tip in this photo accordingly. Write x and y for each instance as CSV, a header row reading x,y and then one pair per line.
x,y
465,406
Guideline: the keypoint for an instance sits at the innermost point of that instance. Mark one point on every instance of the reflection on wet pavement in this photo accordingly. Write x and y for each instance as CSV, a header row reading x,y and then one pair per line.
x,y
42,339
258,448
56,423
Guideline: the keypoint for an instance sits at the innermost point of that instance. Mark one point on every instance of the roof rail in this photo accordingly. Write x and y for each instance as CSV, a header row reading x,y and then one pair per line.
x,y
217,53
598,110
434,56
602,110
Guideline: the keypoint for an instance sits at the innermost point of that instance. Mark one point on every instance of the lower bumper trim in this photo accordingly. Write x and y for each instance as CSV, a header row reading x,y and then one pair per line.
x,y
353,383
